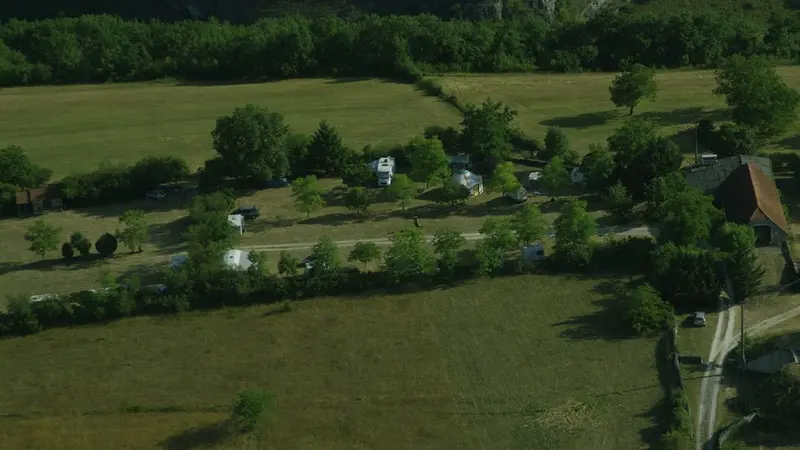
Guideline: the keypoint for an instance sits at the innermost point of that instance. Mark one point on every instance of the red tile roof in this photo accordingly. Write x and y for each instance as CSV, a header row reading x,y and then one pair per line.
x,y
749,195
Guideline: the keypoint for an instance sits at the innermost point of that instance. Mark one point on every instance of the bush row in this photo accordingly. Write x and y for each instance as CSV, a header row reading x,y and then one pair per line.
x,y
222,289
107,48
121,183
679,434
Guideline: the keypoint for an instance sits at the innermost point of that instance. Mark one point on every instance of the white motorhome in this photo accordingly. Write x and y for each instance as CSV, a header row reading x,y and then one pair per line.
x,y
384,170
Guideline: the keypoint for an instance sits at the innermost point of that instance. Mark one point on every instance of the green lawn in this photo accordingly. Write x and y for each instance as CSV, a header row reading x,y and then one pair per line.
x,y
580,103
74,128
509,363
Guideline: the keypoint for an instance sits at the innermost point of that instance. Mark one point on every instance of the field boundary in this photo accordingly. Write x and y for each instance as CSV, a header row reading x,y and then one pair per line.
x,y
432,87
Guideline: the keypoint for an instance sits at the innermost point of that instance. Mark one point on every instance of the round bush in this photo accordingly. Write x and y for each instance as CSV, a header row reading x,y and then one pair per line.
x,y
106,245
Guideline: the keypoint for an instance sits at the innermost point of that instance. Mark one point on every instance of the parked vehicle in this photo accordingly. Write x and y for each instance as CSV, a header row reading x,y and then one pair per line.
x,y
157,194
277,183
384,170
248,212
699,319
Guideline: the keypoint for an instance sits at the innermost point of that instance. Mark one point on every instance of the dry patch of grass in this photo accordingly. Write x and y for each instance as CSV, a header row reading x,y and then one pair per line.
x,y
580,103
511,363
74,128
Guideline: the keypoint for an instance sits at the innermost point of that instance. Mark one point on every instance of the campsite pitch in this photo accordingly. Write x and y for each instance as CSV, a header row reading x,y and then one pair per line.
x,y
75,128
506,363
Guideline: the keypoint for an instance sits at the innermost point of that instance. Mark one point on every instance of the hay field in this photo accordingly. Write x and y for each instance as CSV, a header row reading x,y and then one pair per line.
x,y
74,128
581,105
508,363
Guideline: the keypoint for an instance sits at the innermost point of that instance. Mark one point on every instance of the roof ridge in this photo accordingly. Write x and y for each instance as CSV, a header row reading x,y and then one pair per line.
x,y
758,192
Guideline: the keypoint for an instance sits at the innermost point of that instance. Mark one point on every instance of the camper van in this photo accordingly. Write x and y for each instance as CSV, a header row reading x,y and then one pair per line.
x,y
384,171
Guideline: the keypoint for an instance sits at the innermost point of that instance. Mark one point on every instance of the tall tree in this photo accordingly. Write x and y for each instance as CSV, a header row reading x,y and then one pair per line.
x,y
662,188
555,144
574,229
325,256
555,175
528,225
486,132
17,170
642,154
446,243
758,96
598,167
358,199
326,153
504,179
134,231
287,264
737,244
408,256
429,162
307,194
498,240
402,189
43,237
364,252
689,217
687,276
618,201
632,86
252,144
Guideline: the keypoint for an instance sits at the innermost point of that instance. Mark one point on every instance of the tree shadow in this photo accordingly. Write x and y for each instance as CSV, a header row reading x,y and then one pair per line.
x,y
585,120
604,324
657,416
354,80
199,437
146,273
168,236
685,140
792,142
681,116
334,197
77,263
173,202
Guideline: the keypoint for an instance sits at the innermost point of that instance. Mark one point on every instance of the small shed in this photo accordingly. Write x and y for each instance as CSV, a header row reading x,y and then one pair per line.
x,y
36,201
520,195
473,183
533,252
237,221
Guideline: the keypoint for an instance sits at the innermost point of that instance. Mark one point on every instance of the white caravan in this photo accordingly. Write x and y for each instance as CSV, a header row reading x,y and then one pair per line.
x,y
384,170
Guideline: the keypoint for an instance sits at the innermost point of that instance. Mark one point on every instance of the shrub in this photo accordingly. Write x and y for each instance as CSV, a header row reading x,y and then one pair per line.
x,y
80,243
249,408
646,313
106,245
66,251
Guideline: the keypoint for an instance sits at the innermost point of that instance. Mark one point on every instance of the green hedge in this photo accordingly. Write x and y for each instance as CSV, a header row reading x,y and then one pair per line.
x,y
106,48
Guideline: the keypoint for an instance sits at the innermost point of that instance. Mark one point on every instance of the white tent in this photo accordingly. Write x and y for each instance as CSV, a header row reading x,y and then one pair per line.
x,y
474,183
235,259
237,221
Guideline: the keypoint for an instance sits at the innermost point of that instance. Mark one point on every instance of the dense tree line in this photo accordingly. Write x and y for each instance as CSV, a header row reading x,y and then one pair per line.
x,y
107,48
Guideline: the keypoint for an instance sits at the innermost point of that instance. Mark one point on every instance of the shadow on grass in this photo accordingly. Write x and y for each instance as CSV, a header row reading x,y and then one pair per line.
x,y
77,263
681,116
585,120
199,437
792,142
168,237
173,202
606,322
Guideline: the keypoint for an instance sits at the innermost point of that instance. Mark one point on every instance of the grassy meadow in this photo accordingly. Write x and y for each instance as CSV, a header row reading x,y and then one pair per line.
x,y
488,364
72,129
580,103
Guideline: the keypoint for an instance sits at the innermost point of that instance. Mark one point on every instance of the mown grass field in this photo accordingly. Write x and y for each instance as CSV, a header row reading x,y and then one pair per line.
x,y
72,129
489,364
581,105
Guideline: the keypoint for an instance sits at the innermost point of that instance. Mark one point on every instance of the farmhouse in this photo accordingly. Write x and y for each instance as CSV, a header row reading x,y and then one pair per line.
x,y
709,173
749,197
